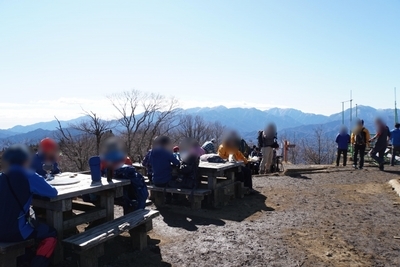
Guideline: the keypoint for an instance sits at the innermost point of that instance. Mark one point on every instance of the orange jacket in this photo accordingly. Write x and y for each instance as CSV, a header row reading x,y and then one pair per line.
x,y
224,152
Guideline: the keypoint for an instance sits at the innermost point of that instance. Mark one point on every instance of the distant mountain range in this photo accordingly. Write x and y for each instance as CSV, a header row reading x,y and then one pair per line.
x,y
247,121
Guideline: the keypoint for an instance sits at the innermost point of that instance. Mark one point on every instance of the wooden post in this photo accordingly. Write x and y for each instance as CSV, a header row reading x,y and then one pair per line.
x,y
196,202
107,203
159,198
139,237
90,258
212,184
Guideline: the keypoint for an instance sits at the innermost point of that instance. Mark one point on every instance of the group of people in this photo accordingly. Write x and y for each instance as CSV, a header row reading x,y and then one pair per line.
x,y
360,139
26,174
177,166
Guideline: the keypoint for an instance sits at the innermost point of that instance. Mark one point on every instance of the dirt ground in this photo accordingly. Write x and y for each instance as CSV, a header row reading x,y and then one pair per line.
x,y
342,218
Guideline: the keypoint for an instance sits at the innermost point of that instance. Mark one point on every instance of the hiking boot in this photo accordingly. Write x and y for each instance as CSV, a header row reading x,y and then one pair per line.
x,y
381,167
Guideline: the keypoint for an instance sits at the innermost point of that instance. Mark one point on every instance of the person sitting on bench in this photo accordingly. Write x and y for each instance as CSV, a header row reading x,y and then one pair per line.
x,y
162,162
47,154
229,148
18,184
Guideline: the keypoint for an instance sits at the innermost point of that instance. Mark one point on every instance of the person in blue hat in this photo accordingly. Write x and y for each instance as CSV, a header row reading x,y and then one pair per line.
x,y
18,184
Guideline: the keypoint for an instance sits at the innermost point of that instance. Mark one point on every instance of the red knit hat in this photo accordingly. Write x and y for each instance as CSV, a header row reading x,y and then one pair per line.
x,y
48,145
176,148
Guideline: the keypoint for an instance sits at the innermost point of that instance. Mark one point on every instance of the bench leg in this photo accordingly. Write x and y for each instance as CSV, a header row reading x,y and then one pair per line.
x,y
90,257
149,226
239,190
139,237
159,198
10,259
196,202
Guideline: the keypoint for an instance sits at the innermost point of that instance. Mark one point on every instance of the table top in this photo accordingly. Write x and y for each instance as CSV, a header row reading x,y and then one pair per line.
x,y
220,166
85,186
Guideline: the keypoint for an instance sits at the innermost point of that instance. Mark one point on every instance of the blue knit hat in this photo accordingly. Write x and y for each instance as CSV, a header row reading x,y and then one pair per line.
x,y
17,155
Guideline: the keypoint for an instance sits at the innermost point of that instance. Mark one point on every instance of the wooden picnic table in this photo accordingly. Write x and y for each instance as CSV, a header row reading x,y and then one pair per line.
x,y
221,179
57,207
140,168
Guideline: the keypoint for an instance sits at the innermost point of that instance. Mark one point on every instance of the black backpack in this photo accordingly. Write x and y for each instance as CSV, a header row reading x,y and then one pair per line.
x,y
187,177
361,137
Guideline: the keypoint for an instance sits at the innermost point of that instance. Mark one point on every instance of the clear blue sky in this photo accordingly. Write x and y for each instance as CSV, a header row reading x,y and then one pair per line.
x,y
56,56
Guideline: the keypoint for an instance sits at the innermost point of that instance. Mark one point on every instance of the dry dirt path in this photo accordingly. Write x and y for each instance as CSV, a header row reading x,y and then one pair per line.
x,y
341,218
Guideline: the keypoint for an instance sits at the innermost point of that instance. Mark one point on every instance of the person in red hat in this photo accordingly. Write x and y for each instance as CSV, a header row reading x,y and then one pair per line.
x,y
47,154
176,153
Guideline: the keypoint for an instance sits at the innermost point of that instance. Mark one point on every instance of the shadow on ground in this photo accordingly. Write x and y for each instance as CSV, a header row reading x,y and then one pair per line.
x,y
237,210
188,221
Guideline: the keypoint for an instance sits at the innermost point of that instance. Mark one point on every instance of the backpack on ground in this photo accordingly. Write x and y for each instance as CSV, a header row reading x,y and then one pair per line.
x,y
361,138
138,189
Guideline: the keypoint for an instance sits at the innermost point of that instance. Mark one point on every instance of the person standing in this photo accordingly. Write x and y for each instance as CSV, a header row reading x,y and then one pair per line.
x,y
359,140
268,137
381,138
395,140
343,141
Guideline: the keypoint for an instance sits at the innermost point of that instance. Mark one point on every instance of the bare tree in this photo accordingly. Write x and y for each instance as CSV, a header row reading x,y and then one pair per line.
x,y
319,149
75,148
94,126
199,129
142,116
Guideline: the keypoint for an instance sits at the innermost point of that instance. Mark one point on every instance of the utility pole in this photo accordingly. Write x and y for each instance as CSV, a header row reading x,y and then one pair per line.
x,y
342,113
396,118
351,107
356,110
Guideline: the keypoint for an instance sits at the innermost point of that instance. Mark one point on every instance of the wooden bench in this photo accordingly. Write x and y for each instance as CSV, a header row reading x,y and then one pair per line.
x,y
88,246
196,196
9,252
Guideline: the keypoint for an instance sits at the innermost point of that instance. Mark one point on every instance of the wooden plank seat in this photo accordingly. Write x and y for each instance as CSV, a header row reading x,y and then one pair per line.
x,y
88,246
9,252
196,196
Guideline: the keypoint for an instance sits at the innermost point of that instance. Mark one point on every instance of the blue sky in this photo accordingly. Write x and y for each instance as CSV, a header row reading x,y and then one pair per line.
x,y
59,56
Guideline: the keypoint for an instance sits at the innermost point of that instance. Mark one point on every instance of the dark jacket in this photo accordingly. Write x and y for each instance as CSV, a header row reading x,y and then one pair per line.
x,y
161,161
383,134
343,140
13,207
37,165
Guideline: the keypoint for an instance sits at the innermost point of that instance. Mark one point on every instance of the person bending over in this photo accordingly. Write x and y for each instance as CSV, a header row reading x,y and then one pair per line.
x,y
18,184
227,148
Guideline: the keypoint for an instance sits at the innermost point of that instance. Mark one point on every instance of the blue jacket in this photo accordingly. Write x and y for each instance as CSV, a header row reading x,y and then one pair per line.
x,y
161,161
13,207
395,137
37,165
343,140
